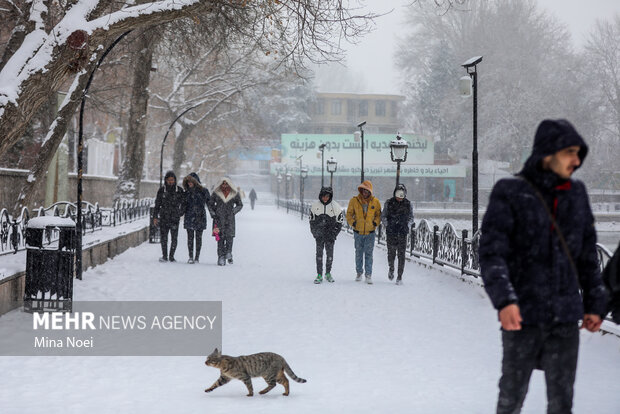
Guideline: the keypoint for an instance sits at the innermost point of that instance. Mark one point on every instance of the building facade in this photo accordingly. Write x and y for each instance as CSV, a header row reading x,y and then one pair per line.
x,y
339,113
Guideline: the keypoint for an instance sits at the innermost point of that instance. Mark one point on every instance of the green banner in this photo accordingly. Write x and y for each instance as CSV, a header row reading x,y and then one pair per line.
x,y
377,161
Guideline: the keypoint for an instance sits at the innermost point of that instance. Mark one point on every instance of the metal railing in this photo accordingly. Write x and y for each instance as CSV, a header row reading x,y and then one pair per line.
x,y
13,229
443,246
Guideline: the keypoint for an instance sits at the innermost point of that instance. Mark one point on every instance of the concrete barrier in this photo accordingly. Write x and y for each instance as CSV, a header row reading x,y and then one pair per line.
x,y
12,287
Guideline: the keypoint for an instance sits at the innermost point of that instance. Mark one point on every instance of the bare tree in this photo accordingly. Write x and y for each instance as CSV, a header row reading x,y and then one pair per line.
x,y
128,186
47,59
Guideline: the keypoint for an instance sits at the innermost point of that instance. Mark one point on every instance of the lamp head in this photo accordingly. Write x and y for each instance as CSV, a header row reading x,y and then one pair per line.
x,y
398,148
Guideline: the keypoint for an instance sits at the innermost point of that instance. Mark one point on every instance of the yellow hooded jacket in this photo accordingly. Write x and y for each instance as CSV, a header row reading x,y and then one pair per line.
x,y
364,223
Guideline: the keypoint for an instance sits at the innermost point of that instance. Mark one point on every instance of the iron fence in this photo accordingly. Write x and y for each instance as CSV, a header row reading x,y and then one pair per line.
x,y
444,246
13,229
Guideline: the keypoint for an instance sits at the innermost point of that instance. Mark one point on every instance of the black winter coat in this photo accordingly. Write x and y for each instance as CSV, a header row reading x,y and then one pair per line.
x,y
611,277
397,217
169,205
521,258
223,210
326,218
196,200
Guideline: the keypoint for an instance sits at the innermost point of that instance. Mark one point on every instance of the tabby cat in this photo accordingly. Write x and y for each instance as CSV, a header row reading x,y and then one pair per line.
x,y
268,365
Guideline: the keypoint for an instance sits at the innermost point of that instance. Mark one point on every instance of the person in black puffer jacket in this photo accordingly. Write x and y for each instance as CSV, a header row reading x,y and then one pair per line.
x,y
195,219
326,218
169,207
397,218
534,278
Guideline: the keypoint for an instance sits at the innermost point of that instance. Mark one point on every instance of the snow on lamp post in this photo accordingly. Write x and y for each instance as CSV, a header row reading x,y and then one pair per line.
x,y
322,150
303,174
332,166
279,180
398,153
470,66
288,180
359,135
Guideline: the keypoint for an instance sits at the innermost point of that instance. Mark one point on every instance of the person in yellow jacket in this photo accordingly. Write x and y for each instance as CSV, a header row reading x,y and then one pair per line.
x,y
364,215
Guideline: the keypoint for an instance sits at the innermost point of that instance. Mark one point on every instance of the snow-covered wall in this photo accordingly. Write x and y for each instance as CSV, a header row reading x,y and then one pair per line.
x,y
95,188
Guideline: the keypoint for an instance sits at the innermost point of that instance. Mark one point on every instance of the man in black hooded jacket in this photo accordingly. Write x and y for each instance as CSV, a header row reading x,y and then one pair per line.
x,y
169,207
537,250
397,218
326,218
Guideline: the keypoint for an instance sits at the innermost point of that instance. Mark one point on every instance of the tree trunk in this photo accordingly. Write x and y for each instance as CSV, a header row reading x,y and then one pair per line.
x,y
128,186
52,72
179,147
53,140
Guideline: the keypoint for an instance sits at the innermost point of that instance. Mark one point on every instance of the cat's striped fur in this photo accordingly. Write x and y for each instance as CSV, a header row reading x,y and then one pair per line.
x,y
268,365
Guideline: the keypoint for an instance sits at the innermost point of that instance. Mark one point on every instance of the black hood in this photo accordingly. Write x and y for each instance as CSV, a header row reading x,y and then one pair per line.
x,y
551,137
400,187
195,177
170,174
326,190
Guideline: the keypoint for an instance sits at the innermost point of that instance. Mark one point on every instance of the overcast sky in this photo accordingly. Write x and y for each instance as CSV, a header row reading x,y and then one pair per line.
x,y
371,61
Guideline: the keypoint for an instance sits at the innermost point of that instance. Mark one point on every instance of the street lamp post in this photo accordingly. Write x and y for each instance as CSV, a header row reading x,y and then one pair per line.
x,y
332,166
278,181
161,154
470,66
288,180
78,221
398,153
303,174
360,135
322,149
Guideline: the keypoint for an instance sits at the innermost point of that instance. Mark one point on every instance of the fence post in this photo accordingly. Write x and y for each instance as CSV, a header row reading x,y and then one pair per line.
x,y
463,251
435,241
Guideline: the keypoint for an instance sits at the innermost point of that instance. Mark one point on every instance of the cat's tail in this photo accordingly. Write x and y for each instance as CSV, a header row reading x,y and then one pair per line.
x,y
291,374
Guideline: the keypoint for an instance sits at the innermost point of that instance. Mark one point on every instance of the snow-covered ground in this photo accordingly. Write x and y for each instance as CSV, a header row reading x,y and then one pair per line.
x,y
429,346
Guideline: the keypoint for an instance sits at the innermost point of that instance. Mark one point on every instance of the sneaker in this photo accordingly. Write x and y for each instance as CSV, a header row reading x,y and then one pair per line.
x,y
230,260
163,259
369,279
228,256
359,277
221,261
318,280
391,274
171,259
399,281
196,260
329,278
190,261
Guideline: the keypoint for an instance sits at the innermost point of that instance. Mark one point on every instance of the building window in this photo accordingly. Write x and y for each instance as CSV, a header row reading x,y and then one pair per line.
x,y
363,108
350,108
320,106
393,109
380,108
336,107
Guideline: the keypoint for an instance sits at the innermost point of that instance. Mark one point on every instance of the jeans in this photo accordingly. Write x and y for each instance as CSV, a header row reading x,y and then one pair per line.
x,y
396,246
328,245
190,243
364,245
554,349
174,232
